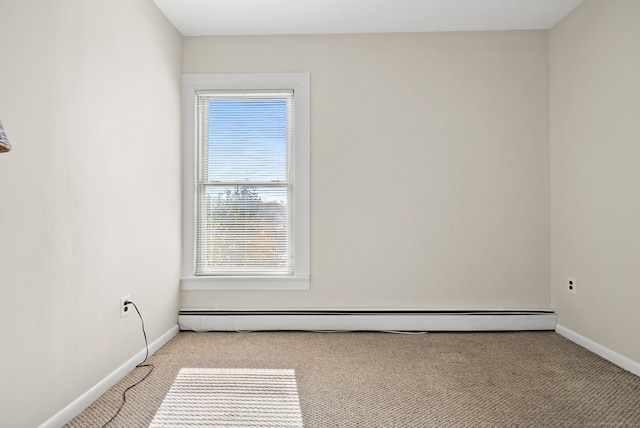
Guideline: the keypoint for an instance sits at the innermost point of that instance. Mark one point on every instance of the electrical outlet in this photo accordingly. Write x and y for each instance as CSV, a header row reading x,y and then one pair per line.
x,y
125,310
571,285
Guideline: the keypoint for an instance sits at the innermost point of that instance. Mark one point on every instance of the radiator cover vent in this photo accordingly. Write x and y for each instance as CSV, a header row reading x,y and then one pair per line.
x,y
366,320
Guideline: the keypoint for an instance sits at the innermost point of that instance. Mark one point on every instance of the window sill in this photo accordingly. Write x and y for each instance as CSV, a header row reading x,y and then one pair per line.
x,y
235,283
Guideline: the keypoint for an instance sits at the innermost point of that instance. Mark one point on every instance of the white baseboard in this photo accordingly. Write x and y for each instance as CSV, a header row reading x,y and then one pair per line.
x,y
596,348
361,320
82,402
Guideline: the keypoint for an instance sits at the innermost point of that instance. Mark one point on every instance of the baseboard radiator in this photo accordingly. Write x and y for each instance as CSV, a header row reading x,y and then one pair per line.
x,y
365,320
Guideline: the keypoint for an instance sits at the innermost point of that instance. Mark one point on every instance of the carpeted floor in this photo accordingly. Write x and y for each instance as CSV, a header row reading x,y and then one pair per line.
x,y
520,379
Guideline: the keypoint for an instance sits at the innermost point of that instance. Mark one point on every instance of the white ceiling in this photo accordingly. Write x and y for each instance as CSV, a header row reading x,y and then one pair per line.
x,y
258,17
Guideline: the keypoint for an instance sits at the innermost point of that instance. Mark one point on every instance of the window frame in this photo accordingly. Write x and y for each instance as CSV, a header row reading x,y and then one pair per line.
x,y
300,84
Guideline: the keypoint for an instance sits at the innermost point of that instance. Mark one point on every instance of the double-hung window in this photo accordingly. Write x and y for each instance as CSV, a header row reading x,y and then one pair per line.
x,y
246,181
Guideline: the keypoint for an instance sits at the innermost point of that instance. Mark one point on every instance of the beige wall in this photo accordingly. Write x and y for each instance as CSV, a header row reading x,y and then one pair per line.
x,y
89,195
429,160
595,172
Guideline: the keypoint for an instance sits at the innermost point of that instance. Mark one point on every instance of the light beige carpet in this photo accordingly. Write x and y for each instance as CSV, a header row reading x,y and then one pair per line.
x,y
522,379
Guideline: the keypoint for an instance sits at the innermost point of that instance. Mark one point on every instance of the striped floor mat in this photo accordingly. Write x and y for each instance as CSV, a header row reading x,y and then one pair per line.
x,y
231,398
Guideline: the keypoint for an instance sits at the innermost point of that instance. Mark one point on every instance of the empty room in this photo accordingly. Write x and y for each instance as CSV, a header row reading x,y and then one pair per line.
x,y
319,213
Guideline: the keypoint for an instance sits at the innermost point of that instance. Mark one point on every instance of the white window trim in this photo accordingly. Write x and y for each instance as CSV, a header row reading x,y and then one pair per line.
x,y
300,83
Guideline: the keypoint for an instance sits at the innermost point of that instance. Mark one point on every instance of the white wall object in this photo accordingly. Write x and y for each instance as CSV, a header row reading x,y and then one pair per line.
x,y
366,320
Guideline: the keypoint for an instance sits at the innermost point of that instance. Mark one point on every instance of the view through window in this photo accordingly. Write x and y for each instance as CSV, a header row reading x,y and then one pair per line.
x,y
244,217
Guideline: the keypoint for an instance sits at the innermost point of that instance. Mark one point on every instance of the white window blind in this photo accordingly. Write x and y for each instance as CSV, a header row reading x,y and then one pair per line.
x,y
244,185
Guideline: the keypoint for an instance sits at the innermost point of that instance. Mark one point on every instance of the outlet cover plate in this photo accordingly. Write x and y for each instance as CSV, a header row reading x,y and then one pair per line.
x,y
125,310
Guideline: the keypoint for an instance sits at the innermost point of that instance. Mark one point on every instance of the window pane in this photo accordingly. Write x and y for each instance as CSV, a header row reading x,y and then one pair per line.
x,y
243,230
247,140
244,222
